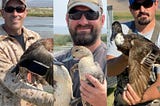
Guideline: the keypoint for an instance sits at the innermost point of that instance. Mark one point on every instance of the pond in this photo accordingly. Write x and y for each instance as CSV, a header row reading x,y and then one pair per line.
x,y
42,25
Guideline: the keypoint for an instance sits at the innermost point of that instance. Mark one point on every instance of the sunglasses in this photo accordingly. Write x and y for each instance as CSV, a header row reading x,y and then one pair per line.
x,y
19,9
77,14
145,4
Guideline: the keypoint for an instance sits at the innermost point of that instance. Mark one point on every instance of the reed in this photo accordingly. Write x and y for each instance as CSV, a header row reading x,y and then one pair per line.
x,y
40,12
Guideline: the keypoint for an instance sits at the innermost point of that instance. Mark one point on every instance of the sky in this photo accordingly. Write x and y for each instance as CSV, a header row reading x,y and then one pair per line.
x,y
60,8
40,3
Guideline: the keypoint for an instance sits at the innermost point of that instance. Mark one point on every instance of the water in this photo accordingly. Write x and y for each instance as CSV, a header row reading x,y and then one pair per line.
x,y
40,3
42,25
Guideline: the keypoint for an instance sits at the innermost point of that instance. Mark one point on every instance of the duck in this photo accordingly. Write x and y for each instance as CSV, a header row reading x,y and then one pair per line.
x,y
38,59
142,54
86,65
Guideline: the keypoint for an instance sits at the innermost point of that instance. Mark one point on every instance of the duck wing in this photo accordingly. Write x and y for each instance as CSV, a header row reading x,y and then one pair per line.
x,y
140,64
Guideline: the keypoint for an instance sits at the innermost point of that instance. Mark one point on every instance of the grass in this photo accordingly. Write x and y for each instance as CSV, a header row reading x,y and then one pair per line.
x,y
64,39
40,12
122,16
126,15
110,96
61,39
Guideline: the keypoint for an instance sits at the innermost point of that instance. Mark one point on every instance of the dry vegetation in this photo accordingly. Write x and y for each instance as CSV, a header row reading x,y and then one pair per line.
x,y
121,11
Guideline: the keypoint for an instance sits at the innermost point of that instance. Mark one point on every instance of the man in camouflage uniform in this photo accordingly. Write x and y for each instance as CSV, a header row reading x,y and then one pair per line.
x,y
14,40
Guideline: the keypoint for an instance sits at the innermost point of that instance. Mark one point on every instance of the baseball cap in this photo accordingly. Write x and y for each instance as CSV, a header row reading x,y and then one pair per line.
x,y
4,2
95,5
132,1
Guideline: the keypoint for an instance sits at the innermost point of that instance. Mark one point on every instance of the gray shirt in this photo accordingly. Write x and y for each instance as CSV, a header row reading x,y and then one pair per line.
x,y
99,56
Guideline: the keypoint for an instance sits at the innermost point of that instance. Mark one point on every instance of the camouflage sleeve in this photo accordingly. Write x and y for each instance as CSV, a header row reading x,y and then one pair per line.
x,y
20,88
30,93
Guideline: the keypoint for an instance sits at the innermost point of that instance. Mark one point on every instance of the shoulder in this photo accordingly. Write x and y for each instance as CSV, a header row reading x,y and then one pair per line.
x,y
30,33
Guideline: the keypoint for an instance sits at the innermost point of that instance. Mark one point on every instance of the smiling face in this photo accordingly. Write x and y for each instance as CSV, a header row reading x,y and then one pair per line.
x,y
83,31
13,20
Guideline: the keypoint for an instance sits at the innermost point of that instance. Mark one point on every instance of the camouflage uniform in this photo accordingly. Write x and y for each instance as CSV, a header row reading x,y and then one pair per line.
x,y
10,87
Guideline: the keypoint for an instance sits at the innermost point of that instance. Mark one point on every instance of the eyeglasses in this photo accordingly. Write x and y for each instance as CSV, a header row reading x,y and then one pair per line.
x,y
19,9
145,4
77,14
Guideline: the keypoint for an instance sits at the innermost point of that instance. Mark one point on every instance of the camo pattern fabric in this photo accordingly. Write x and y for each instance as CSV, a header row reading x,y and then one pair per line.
x,y
10,53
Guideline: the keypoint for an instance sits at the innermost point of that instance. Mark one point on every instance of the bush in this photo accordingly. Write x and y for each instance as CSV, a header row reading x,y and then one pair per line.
x,y
40,12
104,37
61,39
64,39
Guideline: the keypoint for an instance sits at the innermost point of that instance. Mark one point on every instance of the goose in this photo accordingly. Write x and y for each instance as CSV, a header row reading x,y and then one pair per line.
x,y
142,56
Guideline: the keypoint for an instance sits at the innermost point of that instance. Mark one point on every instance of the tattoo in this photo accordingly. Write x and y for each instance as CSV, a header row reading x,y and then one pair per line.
x,y
158,87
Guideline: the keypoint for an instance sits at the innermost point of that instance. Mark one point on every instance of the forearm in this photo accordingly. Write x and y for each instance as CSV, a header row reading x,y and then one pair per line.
x,y
116,65
36,95
153,92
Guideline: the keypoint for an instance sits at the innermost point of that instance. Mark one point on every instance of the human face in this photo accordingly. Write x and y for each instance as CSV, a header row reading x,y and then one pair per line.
x,y
146,13
84,31
13,20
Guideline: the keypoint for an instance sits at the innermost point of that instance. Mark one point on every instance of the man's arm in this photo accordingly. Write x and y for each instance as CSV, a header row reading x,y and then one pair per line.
x,y
153,92
116,65
39,95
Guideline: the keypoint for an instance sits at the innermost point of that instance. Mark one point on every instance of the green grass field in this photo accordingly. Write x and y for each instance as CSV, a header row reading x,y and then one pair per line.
x,y
110,96
126,15
40,12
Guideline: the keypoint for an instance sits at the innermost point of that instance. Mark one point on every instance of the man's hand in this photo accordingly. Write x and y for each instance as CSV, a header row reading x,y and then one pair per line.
x,y
130,96
97,95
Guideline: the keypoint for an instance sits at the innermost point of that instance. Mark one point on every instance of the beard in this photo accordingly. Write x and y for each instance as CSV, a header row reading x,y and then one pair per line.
x,y
143,20
83,38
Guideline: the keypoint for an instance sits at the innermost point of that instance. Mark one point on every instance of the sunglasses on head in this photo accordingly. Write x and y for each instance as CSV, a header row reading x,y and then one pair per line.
x,y
145,4
77,14
19,9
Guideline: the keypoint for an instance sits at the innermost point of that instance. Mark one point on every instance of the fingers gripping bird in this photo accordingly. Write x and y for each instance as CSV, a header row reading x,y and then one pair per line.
x,y
86,65
142,55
